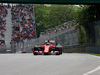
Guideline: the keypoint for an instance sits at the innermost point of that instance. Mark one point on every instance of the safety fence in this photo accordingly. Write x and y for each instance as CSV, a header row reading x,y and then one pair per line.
x,y
65,35
68,38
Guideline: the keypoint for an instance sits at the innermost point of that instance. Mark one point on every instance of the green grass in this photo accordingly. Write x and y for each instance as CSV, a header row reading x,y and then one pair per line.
x,y
91,54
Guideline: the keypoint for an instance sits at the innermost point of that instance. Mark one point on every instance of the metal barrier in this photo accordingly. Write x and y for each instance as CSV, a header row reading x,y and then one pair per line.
x,y
64,37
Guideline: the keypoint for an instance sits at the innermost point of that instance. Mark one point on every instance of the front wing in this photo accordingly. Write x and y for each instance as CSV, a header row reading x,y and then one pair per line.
x,y
40,51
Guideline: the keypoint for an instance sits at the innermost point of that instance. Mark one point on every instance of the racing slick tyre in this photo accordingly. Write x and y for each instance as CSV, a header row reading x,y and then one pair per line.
x,y
35,54
57,53
35,49
58,49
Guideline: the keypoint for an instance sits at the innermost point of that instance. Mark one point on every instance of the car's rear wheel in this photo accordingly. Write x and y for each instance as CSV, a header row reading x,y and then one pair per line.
x,y
58,49
35,54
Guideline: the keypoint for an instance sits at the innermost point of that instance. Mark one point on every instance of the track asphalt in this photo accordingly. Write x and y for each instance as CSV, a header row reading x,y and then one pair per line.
x,y
65,64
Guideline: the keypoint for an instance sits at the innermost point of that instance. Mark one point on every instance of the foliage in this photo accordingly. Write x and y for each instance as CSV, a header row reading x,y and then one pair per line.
x,y
85,15
50,16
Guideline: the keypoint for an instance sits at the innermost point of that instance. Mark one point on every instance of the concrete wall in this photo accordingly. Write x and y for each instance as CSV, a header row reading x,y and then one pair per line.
x,y
3,49
81,49
74,49
93,49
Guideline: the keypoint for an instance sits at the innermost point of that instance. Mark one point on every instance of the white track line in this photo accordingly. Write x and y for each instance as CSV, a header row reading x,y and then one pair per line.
x,y
96,69
96,56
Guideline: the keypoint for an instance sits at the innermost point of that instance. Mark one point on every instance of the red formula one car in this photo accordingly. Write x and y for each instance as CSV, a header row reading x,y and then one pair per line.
x,y
49,47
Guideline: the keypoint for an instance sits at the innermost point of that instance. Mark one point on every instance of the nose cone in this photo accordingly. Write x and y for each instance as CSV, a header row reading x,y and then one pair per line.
x,y
46,48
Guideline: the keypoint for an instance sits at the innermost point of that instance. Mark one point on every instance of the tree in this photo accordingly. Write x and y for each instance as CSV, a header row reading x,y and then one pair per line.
x,y
50,16
84,15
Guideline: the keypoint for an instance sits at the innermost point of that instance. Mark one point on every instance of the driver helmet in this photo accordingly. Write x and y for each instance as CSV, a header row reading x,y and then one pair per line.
x,y
48,41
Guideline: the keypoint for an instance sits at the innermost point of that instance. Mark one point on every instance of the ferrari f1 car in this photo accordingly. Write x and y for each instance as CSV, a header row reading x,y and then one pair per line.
x,y
48,48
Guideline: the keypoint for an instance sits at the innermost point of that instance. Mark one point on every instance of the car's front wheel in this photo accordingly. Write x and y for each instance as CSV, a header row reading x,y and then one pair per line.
x,y
35,53
57,53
